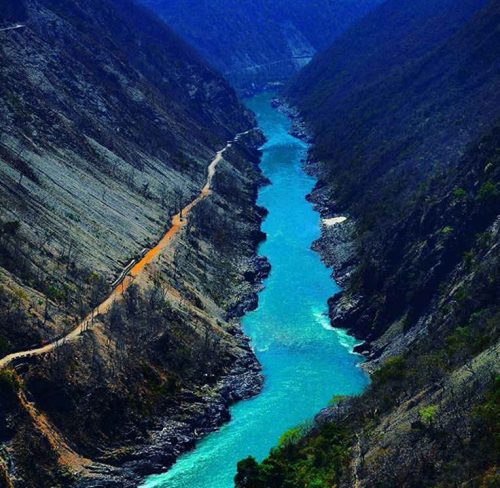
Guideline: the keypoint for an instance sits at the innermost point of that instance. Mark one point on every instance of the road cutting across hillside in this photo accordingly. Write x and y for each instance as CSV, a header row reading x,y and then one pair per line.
x,y
178,222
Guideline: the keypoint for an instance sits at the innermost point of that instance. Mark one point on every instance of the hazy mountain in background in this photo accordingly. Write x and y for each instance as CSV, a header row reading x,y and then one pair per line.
x,y
257,41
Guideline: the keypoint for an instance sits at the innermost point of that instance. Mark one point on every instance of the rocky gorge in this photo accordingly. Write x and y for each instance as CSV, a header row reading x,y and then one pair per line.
x,y
164,272
290,331
177,398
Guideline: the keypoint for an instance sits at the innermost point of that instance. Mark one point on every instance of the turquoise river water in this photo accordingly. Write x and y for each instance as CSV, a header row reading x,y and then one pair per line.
x,y
305,362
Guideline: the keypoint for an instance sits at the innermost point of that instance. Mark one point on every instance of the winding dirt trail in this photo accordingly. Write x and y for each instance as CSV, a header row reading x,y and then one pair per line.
x,y
178,222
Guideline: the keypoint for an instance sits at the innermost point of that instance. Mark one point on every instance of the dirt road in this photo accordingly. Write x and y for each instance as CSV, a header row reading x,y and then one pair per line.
x,y
178,222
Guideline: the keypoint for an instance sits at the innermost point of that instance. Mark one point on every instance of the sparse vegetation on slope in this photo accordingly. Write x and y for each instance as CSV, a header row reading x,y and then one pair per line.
x,y
109,122
404,111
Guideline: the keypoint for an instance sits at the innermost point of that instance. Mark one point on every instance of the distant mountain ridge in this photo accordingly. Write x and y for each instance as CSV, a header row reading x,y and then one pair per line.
x,y
257,41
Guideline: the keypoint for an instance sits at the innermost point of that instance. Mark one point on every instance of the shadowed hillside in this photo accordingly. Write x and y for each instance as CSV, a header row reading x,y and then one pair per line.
x,y
108,123
404,111
256,41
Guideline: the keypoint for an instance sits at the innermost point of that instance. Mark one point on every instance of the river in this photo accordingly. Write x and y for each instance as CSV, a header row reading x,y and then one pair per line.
x,y
305,362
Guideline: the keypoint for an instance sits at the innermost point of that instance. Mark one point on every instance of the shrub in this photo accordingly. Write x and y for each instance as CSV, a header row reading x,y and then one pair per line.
x,y
393,369
461,294
447,230
469,259
291,436
458,340
315,462
248,475
483,240
336,399
55,293
459,194
9,381
428,414
488,192
294,435
489,411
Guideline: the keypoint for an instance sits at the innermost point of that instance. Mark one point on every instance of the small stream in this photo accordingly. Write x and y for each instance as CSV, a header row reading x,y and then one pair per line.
x,y
305,362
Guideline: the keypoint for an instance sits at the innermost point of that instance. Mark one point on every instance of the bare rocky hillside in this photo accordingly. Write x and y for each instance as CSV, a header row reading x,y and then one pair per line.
x,y
108,124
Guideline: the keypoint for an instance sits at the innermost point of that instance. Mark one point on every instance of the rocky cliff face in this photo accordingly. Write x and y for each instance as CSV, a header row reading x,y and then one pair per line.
x,y
109,122
256,42
405,123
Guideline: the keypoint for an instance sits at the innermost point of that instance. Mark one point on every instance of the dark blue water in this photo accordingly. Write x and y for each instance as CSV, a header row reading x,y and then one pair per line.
x,y
305,361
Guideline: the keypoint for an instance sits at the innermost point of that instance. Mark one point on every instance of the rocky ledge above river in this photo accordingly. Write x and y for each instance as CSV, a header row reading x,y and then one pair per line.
x,y
299,128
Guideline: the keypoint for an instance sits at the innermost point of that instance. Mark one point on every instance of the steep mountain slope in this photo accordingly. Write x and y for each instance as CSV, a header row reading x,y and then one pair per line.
x,y
412,116
406,145
259,41
108,124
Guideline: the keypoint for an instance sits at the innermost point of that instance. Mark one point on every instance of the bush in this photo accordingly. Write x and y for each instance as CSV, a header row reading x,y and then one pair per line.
x,y
483,240
291,436
392,370
469,259
488,192
428,414
489,412
458,340
248,475
336,399
447,230
9,381
459,194
294,435
314,462
55,293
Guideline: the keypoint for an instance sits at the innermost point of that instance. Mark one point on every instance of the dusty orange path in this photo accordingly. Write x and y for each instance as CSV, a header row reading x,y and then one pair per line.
x,y
177,225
